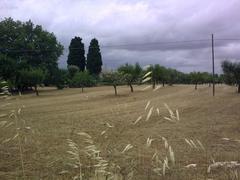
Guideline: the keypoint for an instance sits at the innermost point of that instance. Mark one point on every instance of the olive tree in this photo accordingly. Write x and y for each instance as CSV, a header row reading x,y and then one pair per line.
x,y
131,74
112,78
231,73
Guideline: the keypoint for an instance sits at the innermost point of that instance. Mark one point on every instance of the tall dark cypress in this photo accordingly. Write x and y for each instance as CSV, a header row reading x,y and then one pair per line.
x,y
94,58
76,54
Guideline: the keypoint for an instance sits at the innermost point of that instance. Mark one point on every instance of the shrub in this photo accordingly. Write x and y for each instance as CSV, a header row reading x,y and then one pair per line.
x,y
82,79
30,78
72,69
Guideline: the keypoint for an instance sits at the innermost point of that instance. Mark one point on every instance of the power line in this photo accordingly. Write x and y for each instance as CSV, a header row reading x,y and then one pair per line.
x,y
156,43
231,39
6,50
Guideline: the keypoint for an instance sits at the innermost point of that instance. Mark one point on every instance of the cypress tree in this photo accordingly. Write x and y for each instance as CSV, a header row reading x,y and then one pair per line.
x,y
94,58
76,54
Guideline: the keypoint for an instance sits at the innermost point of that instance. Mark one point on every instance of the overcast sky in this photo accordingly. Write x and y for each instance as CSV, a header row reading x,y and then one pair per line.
x,y
142,25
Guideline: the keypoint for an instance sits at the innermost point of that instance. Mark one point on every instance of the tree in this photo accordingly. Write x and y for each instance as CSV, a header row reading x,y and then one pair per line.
x,y
30,78
24,41
60,78
196,77
76,54
130,73
7,68
82,79
112,78
173,76
24,44
94,58
72,69
231,73
207,78
159,73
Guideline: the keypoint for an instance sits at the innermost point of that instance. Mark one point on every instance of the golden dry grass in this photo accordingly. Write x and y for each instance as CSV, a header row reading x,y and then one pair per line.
x,y
57,115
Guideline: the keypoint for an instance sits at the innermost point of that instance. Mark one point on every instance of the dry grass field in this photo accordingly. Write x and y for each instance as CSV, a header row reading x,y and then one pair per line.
x,y
46,122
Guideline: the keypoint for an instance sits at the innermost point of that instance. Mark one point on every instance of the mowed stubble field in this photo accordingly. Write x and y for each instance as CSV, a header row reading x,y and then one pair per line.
x,y
57,115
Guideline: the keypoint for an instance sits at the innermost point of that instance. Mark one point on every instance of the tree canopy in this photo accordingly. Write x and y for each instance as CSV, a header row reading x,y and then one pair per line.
x,y
131,73
231,73
24,42
76,54
82,79
112,78
25,47
94,58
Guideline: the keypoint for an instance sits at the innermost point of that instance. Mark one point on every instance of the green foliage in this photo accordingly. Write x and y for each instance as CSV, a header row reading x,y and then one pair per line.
x,y
94,58
196,77
112,78
30,78
72,69
24,41
7,68
206,77
60,78
131,74
231,73
82,79
25,46
159,74
173,76
76,54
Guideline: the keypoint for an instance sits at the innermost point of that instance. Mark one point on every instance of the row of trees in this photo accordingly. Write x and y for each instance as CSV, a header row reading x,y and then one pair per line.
x,y
29,55
76,56
132,74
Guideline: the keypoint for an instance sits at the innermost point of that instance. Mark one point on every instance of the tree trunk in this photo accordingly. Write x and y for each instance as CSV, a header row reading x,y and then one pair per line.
x,y
131,87
36,90
238,88
154,84
115,89
19,92
196,86
163,83
82,89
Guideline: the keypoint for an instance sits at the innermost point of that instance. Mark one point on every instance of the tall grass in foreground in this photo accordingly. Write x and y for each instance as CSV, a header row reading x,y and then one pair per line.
x,y
119,161
14,123
125,161
109,155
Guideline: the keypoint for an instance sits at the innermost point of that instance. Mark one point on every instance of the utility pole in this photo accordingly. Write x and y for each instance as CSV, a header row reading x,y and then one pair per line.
x,y
213,68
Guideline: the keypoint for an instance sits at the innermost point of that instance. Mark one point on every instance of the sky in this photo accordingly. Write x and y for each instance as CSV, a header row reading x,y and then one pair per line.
x,y
143,31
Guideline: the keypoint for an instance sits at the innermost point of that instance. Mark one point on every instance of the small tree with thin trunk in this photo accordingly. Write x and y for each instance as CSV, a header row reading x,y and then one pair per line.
x,y
196,78
82,79
159,74
130,73
231,73
112,78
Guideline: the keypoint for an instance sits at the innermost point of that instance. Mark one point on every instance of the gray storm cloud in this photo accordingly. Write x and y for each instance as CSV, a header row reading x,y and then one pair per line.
x,y
137,31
